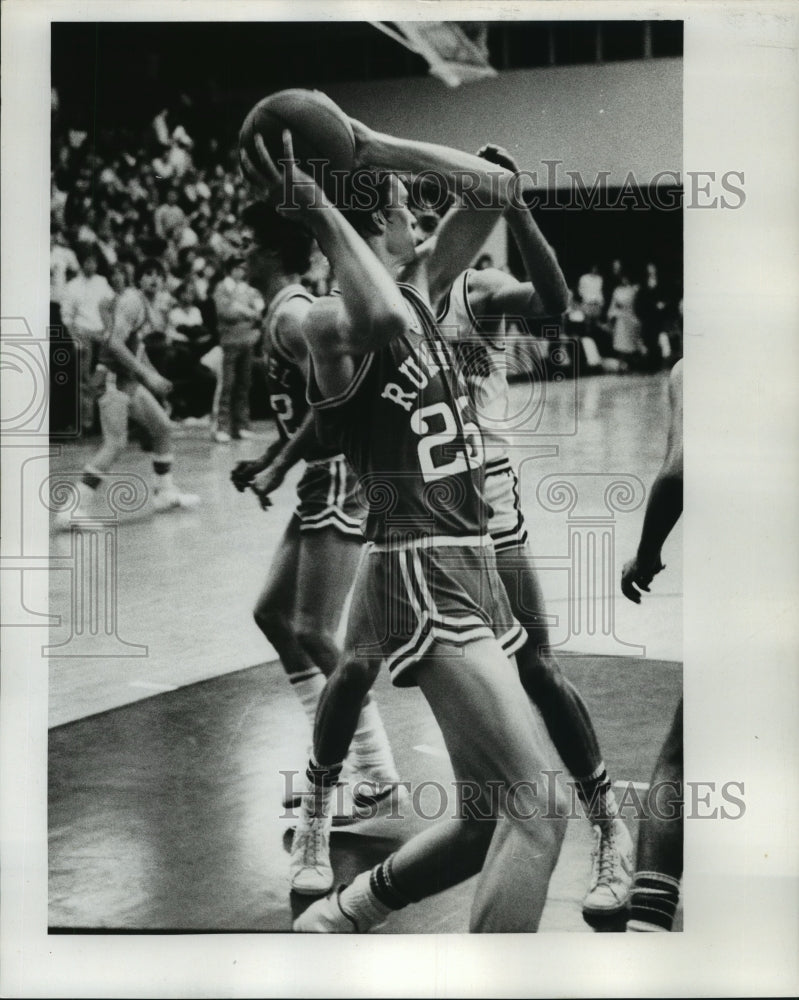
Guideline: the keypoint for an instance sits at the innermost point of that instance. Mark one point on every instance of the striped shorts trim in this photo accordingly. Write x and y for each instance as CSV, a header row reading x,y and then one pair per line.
x,y
327,498
506,525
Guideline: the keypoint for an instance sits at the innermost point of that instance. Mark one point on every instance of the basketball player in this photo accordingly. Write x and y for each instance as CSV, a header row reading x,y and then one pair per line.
x,y
427,591
131,390
656,890
300,607
472,315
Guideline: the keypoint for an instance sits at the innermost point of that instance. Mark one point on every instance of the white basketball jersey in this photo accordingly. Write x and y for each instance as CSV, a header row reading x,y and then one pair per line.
x,y
481,357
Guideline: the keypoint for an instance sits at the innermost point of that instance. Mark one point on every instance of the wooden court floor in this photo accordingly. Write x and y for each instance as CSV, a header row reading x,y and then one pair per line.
x,y
164,773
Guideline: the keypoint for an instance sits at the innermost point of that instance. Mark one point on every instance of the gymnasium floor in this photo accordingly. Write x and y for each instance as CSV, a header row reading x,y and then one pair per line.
x,y
164,773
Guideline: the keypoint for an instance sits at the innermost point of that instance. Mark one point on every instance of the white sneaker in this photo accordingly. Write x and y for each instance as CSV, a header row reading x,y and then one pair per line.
x,y
325,916
172,499
356,799
222,437
612,869
364,799
310,871
244,434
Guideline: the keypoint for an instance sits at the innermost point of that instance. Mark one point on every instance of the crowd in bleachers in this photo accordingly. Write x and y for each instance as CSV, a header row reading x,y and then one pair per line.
x,y
122,200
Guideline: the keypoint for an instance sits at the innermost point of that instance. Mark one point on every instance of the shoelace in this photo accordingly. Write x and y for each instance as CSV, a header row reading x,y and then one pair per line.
x,y
313,846
606,858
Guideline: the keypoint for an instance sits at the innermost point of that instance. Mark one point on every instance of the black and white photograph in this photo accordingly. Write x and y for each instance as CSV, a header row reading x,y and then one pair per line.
x,y
351,581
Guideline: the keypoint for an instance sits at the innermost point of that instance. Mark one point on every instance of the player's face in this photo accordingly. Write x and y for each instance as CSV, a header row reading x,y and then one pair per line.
x,y
400,224
259,264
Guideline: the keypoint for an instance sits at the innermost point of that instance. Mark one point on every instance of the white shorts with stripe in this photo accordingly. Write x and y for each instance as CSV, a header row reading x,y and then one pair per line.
x,y
506,525
328,498
410,594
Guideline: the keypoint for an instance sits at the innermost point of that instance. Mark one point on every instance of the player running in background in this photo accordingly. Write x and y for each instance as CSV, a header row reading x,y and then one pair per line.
x,y
300,607
428,600
656,890
131,390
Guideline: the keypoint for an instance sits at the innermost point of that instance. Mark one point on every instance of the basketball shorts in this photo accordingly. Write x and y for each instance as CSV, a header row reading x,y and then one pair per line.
x,y
411,594
506,524
327,497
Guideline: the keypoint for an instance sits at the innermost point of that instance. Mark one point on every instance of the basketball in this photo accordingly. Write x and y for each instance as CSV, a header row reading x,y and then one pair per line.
x,y
321,132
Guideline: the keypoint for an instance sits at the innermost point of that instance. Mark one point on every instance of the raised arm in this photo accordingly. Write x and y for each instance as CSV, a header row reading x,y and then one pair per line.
x,y
482,190
546,292
664,506
370,311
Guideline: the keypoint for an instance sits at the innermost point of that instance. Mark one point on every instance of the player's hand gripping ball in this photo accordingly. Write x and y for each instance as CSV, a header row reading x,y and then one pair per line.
x,y
321,133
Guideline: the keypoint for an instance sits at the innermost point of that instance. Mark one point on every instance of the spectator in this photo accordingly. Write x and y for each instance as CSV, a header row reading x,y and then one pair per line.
x,y
591,295
651,309
63,266
238,308
81,314
627,344
169,217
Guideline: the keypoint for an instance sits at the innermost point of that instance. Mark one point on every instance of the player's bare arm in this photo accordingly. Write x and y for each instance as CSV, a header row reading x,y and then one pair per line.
x,y
370,311
125,321
546,292
664,506
483,192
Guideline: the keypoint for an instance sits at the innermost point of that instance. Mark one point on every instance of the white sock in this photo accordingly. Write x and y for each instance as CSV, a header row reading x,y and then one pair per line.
x,y
360,903
370,751
308,686
315,803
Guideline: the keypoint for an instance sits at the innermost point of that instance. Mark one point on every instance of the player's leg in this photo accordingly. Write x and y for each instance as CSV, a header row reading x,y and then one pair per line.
x,y
569,724
491,735
275,615
656,891
333,544
347,722
145,409
114,409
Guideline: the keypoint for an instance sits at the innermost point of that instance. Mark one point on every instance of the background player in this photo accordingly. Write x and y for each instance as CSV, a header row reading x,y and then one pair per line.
x,y
370,348
473,314
656,890
300,607
131,390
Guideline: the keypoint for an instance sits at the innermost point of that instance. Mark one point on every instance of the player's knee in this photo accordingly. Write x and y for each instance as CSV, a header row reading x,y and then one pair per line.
x,y
273,621
320,645
356,675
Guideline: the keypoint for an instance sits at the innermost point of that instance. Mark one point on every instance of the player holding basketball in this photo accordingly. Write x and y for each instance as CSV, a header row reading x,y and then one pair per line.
x,y
132,388
300,607
656,890
428,600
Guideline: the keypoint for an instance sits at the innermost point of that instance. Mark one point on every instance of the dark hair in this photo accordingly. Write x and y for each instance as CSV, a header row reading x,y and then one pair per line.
x,y
362,193
84,251
274,232
149,266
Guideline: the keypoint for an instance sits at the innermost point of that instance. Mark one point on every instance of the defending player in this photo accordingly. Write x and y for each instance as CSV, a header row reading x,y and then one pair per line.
x,y
656,890
300,607
473,315
131,389
428,600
